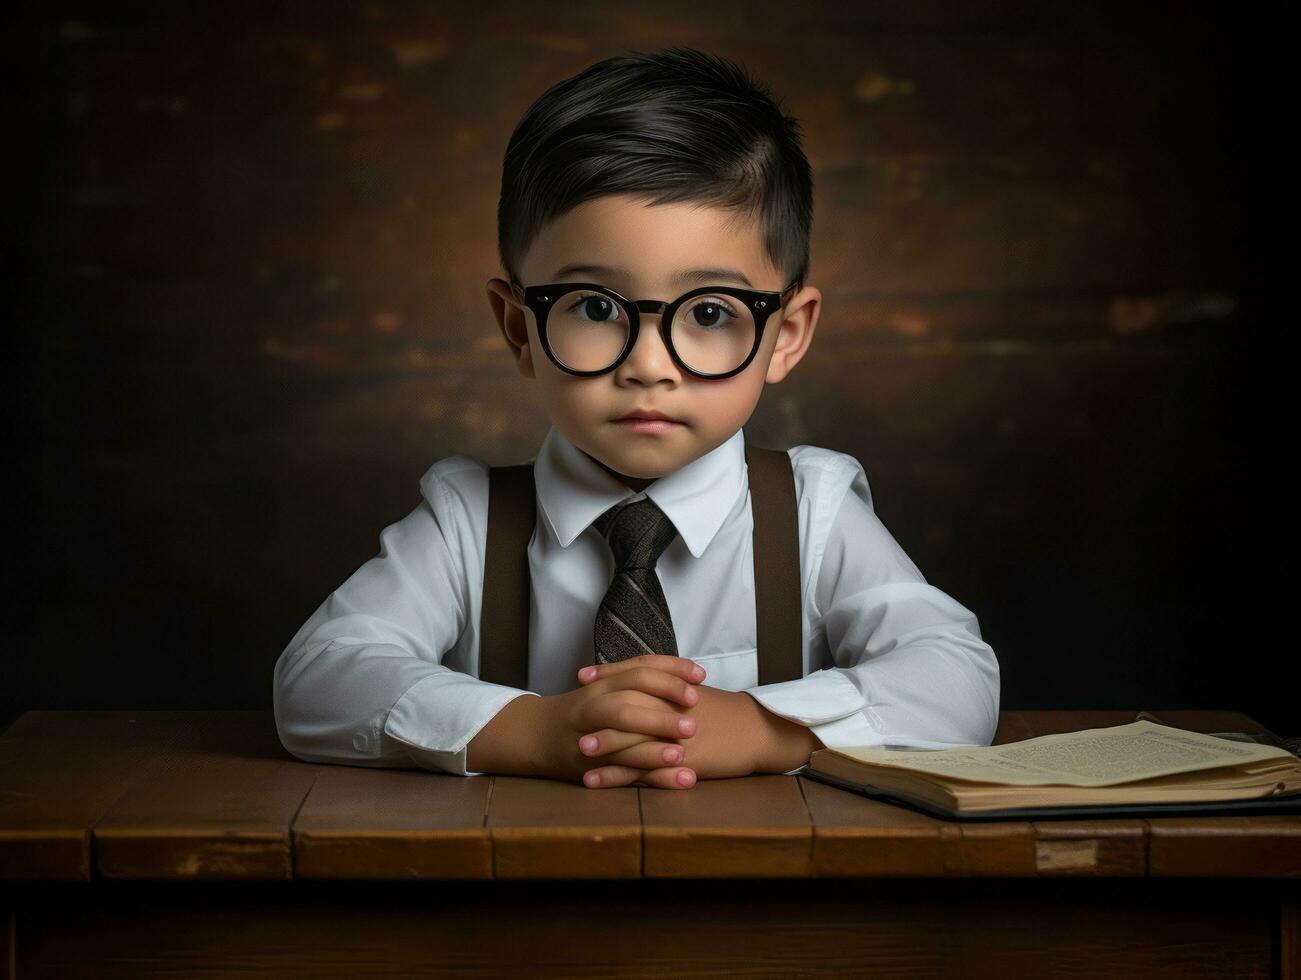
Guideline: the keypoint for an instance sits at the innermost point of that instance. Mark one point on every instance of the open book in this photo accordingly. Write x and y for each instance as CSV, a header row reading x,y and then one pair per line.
x,y
1137,768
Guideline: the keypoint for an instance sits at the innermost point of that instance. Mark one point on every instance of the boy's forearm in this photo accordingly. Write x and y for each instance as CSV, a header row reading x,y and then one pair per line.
x,y
784,745
509,744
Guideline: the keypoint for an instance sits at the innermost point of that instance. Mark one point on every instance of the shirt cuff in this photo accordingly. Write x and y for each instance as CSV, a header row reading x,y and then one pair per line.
x,y
819,698
826,702
438,717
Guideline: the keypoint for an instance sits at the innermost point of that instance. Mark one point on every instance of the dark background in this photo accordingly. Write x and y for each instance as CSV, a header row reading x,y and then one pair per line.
x,y
249,247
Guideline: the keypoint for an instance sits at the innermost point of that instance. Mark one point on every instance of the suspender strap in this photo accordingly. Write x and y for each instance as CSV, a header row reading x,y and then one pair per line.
x,y
504,620
776,564
512,513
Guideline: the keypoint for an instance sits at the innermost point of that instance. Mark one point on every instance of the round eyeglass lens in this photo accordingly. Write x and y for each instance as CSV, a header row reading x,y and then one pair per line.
x,y
713,332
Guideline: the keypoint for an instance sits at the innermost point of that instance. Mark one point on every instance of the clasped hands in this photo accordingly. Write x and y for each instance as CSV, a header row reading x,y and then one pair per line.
x,y
649,720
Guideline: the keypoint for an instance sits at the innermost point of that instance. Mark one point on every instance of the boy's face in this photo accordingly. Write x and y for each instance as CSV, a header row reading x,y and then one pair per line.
x,y
649,245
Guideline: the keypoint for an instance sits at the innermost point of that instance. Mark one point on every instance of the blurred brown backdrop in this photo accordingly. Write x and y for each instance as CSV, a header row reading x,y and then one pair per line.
x,y
251,244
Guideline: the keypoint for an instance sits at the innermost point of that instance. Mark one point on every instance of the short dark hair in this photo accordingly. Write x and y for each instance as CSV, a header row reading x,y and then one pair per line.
x,y
674,125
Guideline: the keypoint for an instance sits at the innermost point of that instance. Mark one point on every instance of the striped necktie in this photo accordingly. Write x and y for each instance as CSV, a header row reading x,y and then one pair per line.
x,y
633,618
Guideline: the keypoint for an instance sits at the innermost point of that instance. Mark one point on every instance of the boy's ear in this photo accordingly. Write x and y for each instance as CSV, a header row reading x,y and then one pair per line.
x,y
512,319
794,333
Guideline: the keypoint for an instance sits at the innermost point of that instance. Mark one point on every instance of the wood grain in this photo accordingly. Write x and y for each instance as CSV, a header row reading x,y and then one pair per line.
x,y
199,795
62,770
854,836
545,828
220,808
756,826
193,864
1265,847
393,824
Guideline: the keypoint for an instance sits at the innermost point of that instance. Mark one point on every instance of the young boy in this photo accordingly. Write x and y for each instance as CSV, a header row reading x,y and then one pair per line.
x,y
663,178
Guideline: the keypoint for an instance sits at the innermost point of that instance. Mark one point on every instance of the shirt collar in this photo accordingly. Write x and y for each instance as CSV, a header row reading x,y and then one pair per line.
x,y
573,490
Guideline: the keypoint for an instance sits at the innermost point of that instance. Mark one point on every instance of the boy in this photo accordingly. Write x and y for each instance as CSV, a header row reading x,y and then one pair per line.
x,y
671,187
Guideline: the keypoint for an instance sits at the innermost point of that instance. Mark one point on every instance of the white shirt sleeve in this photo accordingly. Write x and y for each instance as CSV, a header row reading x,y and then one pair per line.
x,y
363,683
910,668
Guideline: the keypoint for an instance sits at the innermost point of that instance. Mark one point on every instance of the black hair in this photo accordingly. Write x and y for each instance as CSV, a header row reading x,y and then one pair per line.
x,y
674,125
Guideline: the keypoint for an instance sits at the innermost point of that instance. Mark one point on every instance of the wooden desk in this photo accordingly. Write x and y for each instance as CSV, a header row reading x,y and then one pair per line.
x,y
134,844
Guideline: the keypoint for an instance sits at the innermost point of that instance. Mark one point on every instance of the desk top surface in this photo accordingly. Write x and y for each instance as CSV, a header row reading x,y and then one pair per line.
x,y
213,795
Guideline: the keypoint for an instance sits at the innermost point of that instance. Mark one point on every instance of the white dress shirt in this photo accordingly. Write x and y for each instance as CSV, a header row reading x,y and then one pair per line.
x,y
385,672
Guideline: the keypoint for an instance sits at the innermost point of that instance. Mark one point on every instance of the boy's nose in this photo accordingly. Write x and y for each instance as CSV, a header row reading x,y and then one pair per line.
x,y
650,353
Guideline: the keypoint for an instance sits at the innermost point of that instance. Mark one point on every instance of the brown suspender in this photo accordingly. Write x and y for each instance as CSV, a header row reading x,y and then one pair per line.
x,y
776,564
504,618
512,510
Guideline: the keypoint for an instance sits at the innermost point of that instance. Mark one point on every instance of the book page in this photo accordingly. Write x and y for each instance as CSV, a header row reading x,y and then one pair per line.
x,y
1092,757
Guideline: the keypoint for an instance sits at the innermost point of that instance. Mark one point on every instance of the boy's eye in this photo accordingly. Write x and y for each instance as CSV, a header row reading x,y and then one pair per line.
x,y
710,312
595,307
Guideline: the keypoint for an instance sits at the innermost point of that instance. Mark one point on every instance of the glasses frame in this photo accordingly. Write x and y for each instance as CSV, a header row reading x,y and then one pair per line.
x,y
762,303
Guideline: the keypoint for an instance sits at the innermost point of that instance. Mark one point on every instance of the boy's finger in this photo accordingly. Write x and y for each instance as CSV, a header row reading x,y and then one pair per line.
x,y
616,749
609,740
603,777
657,683
628,717
670,777
681,666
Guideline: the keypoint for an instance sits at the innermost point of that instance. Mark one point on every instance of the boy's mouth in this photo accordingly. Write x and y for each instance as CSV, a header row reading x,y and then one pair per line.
x,y
647,421
646,415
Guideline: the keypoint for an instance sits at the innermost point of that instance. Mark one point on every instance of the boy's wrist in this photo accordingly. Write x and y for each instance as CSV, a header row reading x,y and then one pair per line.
x,y
784,745
509,744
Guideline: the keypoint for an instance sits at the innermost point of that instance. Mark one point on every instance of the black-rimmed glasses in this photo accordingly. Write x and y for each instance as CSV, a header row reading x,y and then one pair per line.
x,y
712,332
